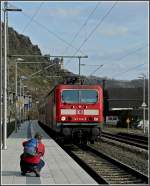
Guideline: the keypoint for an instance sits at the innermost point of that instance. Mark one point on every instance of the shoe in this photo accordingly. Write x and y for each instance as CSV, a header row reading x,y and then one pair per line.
x,y
37,172
23,173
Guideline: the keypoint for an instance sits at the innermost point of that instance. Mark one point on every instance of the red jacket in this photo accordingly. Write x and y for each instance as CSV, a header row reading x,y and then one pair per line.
x,y
35,159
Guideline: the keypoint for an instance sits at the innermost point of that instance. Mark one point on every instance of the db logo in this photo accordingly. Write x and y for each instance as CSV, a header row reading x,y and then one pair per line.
x,y
80,112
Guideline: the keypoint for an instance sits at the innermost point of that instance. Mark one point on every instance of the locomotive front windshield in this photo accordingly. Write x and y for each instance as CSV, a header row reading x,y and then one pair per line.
x,y
79,96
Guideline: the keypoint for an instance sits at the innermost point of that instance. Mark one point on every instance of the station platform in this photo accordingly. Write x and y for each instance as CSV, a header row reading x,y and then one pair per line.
x,y
59,167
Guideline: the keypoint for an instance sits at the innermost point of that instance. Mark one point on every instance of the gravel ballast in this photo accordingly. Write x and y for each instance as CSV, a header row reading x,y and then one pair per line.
x,y
135,157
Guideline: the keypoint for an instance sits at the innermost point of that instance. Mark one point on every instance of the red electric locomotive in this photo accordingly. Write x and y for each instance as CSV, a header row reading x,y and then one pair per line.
x,y
74,112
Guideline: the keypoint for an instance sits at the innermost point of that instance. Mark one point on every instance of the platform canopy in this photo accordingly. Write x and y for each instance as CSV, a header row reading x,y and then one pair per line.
x,y
122,109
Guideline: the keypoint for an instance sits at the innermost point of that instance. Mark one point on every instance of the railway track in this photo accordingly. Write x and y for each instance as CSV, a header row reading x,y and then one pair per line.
x,y
128,139
104,169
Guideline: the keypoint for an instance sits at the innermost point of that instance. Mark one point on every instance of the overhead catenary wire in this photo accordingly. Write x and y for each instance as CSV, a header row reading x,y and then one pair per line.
x,y
128,54
121,58
49,31
96,69
83,25
131,52
130,69
34,15
95,28
54,34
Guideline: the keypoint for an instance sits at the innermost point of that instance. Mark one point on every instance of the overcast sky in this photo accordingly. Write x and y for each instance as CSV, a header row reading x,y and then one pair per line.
x,y
112,34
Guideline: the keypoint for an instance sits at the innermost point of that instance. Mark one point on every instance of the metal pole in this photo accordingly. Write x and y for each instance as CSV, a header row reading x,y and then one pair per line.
x,y
8,89
6,9
128,127
28,106
20,101
48,56
79,66
1,86
23,104
16,114
144,103
79,71
25,110
5,79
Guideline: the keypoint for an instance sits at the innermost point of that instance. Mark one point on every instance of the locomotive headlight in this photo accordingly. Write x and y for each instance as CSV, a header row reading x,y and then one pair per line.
x,y
95,119
63,118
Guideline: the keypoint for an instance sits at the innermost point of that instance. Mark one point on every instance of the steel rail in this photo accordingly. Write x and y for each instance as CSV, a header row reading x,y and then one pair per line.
x,y
86,167
133,135
134,142
121,171
123,166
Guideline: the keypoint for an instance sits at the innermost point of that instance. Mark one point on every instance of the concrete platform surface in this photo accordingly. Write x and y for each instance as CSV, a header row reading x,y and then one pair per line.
x,y
59,167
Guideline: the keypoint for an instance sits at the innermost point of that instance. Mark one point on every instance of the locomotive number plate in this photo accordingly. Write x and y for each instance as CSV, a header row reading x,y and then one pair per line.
x,y
80,112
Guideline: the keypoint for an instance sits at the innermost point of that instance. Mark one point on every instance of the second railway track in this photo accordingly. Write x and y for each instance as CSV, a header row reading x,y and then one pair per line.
x,y
142,143
104,169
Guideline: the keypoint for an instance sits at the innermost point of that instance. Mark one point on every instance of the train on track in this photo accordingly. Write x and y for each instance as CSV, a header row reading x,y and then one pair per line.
x,y
73,112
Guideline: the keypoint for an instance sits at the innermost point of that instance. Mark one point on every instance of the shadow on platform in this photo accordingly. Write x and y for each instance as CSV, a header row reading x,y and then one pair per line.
x,y
11,173
17,173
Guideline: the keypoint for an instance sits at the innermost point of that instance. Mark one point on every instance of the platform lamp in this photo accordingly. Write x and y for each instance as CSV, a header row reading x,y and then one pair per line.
x,y
24,86
37,103
143,76
5,10
16,83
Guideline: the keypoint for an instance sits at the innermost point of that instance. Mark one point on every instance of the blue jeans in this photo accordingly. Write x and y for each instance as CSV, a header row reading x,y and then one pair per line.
x,y
31,167
40,165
